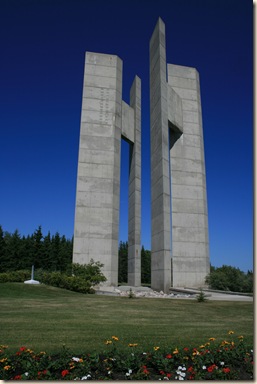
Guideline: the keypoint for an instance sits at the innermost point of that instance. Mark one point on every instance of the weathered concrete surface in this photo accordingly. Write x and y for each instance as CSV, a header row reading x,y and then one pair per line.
x,y
134,227
160,170
104,119
190,243
177,173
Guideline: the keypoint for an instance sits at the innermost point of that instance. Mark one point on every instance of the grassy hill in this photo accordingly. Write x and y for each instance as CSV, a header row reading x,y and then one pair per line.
x,y
44,318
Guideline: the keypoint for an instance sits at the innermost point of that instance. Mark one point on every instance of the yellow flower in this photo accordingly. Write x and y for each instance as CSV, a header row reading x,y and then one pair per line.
x,y
196,353
212,338
232,343
132,345
156,348
42,353
3,360
231,332
224,342
175,351
108,342
80,360
206,344
240,337
115,338
7,367
202,346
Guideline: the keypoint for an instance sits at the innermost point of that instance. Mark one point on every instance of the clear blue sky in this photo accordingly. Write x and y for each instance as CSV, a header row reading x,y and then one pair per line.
x,y
43,44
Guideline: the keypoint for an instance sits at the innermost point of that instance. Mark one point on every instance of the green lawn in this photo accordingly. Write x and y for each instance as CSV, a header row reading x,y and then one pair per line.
x,y
44,318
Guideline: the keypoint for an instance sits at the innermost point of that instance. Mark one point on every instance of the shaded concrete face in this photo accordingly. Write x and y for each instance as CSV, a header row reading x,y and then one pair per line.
x,y
178,186
105,118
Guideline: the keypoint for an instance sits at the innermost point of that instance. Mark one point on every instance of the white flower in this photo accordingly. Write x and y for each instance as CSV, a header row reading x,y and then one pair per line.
x,y
109,372
184,369
222,363
180,378
203,367
182,374
127,374
75,359
180,367
130,371
85,377
26,373
165,378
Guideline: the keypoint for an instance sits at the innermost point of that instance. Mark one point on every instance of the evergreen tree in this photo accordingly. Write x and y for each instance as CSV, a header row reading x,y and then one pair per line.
x,y
145,266
123,262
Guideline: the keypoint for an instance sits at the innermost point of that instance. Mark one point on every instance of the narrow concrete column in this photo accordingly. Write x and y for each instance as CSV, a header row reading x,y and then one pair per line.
x,y
98,180
190,243
134,235
160,170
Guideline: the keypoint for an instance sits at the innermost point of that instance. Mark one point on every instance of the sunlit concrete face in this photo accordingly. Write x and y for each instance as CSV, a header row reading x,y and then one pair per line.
x,y
180,245
105,119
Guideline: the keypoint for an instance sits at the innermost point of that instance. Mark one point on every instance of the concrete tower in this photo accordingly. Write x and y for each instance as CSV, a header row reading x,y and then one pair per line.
x,y
105,119
180,245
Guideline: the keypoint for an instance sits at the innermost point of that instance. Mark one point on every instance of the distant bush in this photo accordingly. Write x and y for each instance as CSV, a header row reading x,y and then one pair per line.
x,y
80,278
15,276
227,278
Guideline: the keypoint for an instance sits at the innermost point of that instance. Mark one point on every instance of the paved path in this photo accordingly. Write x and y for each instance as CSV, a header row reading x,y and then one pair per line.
x,y
176,293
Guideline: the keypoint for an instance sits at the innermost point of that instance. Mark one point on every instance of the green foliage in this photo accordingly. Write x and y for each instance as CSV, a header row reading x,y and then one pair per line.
x,y
229,278
230,360
50,253
123,264
131,294
201,297
81,280
91,272
15,276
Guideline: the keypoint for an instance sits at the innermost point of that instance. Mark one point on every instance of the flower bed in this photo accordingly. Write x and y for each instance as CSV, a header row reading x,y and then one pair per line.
x,y
229,360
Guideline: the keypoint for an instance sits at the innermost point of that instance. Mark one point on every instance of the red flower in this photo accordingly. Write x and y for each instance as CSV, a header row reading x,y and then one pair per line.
x,y
22,349
145,370
190,369
168,375
211,368
169,356
226,370
162,372
18,377
44,372
65,372
186,349
191,377
18,353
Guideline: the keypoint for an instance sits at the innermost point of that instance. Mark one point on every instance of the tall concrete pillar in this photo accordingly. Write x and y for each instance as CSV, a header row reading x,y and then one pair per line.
x,y
160,169
105,119
177,173
98,181
134,235
190,243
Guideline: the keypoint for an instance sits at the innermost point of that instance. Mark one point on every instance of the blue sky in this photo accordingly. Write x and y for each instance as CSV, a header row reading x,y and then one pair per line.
x,y
43,45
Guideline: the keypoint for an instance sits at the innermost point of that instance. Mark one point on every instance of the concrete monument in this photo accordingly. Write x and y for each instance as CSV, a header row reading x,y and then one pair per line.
x,y
180,245
105,119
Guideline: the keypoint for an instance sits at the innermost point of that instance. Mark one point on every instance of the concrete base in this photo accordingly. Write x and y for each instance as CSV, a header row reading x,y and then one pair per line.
x,y
31,282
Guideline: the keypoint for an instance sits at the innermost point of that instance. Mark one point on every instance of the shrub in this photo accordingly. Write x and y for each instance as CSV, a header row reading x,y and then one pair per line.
x,y
15,276
83,277
227,278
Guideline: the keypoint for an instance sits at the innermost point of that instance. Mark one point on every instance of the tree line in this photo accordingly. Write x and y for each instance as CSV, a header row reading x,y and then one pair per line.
x,y
54,253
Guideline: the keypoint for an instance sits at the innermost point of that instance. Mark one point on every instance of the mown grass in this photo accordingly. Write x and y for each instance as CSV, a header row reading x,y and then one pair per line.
x,y
45,318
